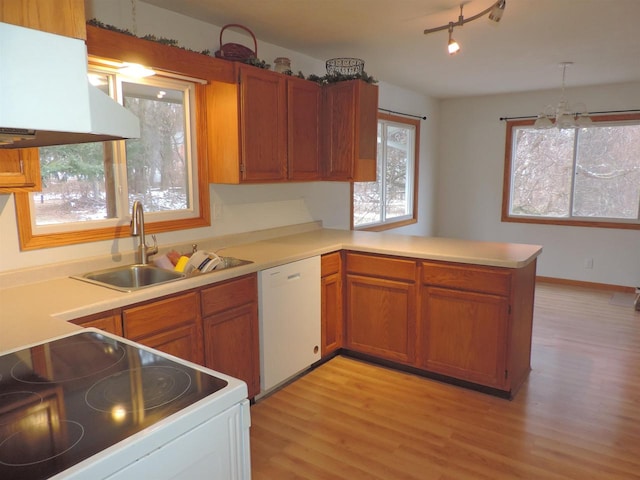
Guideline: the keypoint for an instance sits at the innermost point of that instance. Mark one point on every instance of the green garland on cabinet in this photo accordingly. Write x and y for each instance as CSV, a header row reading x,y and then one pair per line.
x,y
322,80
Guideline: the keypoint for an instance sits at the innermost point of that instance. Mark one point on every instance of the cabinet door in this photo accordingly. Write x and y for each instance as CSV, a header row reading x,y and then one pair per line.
x,y
350,131
231,340
381,318
232,347
20,170
182,342
304,100
464,335
332,317
172,325
263,125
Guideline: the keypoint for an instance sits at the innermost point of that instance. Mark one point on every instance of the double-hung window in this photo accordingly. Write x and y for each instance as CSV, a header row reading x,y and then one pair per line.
x,y
88,189
389,202
587,176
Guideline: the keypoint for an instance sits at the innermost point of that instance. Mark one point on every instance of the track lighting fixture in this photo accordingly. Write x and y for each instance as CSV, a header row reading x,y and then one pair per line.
x,y
495,12
453,46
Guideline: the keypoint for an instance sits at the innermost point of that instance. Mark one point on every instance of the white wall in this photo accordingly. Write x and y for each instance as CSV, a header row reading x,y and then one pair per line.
x,y
469,186
243,207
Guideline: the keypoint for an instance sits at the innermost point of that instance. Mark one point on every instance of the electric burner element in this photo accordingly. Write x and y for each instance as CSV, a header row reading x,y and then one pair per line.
x,y
137,389
31,446
98,357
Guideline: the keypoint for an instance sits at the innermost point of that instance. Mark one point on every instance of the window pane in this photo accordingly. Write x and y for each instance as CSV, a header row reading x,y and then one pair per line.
x,y
76,179
542,170
74,184
399,142
607,181
157,170
367,195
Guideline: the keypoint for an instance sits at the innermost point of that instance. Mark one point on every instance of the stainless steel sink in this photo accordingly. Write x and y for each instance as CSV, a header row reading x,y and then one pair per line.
x,y
128,278
131,277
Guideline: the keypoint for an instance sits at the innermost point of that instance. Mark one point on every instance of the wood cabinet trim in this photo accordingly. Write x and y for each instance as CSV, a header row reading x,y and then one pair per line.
x,y
491,280
381,266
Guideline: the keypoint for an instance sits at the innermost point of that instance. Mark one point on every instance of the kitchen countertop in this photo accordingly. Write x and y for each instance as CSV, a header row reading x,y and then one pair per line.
x,y
33,312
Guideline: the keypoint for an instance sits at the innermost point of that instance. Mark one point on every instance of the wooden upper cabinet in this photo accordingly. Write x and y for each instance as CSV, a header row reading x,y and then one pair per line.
x,y
350,125
62,17
20,170
247,128
304,103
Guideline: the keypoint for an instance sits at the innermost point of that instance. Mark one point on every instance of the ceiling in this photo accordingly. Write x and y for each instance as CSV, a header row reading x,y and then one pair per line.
x,y
520,53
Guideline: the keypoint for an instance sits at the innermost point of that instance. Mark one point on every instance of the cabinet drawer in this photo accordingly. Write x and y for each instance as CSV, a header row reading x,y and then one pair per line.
x,y
330,264
492,280
159,316
384,267
230,294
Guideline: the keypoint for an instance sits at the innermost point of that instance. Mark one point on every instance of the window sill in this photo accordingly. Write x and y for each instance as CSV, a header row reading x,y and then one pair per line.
x,y
386,226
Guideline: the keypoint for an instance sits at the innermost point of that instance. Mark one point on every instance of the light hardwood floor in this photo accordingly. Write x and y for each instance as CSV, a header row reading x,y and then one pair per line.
x,y
576,417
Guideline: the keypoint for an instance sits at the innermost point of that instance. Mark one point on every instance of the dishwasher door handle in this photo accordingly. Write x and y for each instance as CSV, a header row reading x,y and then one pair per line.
x,y
294,276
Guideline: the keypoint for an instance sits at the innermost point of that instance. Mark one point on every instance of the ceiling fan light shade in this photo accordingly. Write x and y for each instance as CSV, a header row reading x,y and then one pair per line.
x,y
543,122
583,120
497,11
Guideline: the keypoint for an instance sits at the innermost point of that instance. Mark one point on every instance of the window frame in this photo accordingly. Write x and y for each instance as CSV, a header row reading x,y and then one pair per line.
x,y
414,198
575,222
29,239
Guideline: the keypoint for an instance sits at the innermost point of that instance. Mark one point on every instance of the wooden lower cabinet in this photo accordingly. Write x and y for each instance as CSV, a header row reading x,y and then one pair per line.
x,y
230,318
381,306
332,315
172,325
109,322
475,323
467,322
463,335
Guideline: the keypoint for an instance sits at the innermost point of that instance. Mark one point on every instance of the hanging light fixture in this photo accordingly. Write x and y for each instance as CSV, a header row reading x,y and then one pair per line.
x,y
453,46
495,12
563,115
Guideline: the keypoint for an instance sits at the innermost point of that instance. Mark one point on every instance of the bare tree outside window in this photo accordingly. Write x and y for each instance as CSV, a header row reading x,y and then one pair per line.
x,y
86,182
579,175
390,198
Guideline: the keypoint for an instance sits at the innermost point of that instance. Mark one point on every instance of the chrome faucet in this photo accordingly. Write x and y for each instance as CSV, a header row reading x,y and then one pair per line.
x,y
137,229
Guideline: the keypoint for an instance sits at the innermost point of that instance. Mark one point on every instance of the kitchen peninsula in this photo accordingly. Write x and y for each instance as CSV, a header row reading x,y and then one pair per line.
x,y
424,283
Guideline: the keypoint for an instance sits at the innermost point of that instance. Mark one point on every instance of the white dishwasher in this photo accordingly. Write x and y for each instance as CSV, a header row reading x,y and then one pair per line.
x,y
289,312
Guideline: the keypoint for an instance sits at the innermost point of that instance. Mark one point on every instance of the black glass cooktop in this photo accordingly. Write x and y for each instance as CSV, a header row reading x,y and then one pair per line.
x,y
66,400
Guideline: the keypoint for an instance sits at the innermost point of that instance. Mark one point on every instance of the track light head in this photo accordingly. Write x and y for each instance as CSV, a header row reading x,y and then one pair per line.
x,y
453,47
497,10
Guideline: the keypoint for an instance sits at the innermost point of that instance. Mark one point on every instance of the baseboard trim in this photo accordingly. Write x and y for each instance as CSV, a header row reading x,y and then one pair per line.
x,y
580,283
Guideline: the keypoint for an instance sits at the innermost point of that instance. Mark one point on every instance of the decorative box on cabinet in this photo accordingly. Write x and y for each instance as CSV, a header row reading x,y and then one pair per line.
x,y
381,306
332,315
350,126
172,325
230,316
